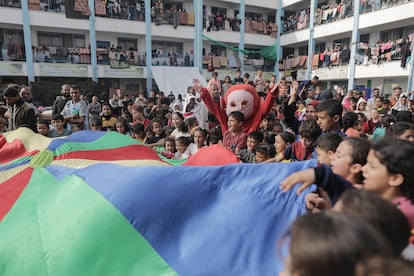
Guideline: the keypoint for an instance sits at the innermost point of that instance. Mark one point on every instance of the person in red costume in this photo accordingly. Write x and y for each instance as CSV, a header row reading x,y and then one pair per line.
x,y
240,97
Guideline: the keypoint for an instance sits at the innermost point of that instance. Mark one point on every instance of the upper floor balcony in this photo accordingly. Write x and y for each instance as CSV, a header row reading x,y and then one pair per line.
x,y
334,21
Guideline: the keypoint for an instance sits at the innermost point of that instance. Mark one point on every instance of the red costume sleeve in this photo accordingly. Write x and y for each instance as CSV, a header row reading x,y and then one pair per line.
x,y
214,108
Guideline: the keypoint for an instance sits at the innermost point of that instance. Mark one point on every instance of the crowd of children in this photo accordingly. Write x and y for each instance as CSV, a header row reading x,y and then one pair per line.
x,y
364,146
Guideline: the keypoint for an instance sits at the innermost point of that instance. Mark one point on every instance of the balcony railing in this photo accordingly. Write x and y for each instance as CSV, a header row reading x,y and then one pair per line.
x,y
326,13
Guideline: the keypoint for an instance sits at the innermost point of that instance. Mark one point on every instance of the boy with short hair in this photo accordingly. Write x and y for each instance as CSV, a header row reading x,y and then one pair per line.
x,y
264,152
303,149
254,139
326,145
329,114
234,138
42,128
59,130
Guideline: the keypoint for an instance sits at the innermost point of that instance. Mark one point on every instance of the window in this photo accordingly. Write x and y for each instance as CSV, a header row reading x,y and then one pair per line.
x,y
395,34
341,42
364,38
173,4
218,11
271,17
320,47
165,47
303,51
218,50
128,44
288,51
50,39
13,36
61,40
78,41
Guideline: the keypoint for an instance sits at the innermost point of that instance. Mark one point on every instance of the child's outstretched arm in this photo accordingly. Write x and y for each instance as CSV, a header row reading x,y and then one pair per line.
x,y
305,177
322,176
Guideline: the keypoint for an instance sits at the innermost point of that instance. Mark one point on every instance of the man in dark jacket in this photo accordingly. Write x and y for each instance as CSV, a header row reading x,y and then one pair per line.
x,y
22,114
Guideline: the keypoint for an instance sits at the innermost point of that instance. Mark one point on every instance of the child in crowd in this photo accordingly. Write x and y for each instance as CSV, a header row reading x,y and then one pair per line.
x,y
326,146
303,149
248,155
264,152
282,141
59,129
329,114
268,123
169,148
401,130
122,127
43,128
138,133
178,123
200,139
331,243
215,136
234,138
374,121
350,124
384,174
157,139
126,115
96,124
192,124
379,132
137,112
108,121
182,143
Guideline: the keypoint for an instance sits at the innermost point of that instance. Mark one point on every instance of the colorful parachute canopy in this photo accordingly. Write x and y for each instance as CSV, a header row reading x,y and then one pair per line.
x,y
98,203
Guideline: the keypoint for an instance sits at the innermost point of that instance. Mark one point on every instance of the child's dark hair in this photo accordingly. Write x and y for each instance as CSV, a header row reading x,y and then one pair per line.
x,y
169,139
58,117
266,150
186,141
203,131
155,120
397,156
128,114
43,122
256,135
360,150
108,105
380,213
309,129
168,130
349,120
332,107
237,115
287,137
124,123
191,122
398,128
329,141
362,117
387,120
182,127
139,130
269,137
404,116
